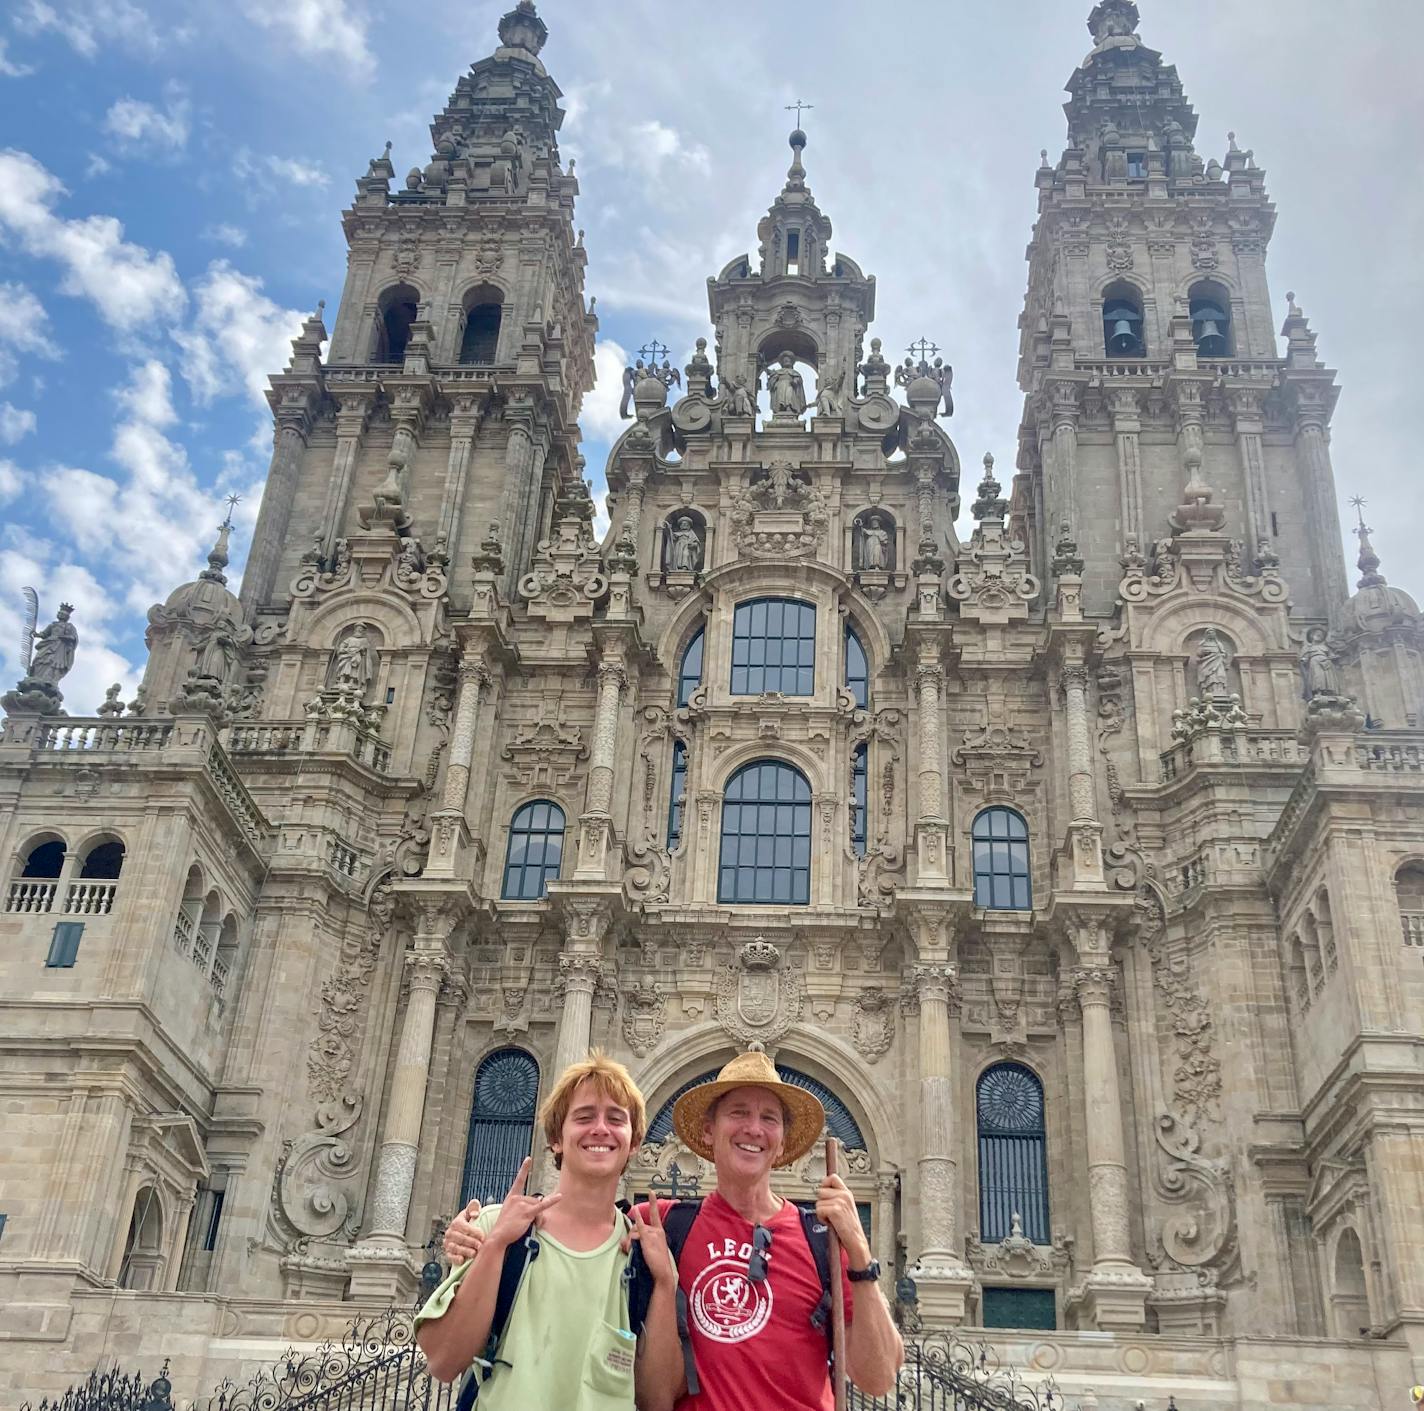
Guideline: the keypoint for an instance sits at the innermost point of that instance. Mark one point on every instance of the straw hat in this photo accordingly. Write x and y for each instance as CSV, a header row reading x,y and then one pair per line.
x,y
750,1070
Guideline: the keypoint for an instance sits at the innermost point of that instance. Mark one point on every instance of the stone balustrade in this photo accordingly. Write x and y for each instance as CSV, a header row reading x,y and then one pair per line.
x,y
292,737
1233,747
37,896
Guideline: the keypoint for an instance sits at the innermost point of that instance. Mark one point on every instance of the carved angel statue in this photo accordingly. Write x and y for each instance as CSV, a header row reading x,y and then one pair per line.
x,y
410,564
685,548
353,664
786,388
1318,672
829,401
630,378
1213,659
736,398
54,647
874,545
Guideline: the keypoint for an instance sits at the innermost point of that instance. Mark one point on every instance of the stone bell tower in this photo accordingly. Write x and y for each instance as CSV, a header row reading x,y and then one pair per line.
x,y
1156,399
460,351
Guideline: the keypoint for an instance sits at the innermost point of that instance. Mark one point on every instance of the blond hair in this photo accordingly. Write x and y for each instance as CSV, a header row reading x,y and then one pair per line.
x,y
610,1079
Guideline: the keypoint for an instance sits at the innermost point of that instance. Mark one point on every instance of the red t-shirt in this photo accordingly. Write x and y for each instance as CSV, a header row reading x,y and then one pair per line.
x,y
753,1343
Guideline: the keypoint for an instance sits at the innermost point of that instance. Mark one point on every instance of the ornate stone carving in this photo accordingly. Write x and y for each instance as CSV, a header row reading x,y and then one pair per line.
x,y
332,1054
308,1200
781,514
758,1000
872,1028
1017,1257
643,1016
545,752
566,578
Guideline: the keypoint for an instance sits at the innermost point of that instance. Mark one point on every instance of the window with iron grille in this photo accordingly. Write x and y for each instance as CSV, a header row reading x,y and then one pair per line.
x,y
774,647
1001,875
536,848
501,1124
689,675
766,836
677,794
857,670
1019,1308
1013,1154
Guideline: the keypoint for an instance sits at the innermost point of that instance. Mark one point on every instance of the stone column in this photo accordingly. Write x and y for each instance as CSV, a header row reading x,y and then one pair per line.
x,y
596,823
1313,450
450,834
931,830
518,460
1115,1290
939,1272
350,428
1084,830
465,417
1064,422
579,974
274,518
887,1234
1245,403
1127,427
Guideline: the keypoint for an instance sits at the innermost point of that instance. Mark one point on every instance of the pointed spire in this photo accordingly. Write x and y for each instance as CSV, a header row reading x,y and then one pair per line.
x,y
1368,562
217,555
796,173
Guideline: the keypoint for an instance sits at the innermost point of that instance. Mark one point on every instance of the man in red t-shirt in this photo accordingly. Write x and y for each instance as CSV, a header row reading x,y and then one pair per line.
x,y
746,1267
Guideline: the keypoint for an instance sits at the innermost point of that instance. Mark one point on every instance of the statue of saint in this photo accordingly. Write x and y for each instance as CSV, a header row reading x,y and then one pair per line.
x,y
213,655
828,394
685,547
352,664
1212,662
736,397
54,646
1318,673
787,390
874,545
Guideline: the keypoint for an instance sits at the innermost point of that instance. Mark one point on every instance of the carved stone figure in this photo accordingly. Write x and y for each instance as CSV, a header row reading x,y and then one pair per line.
x,y
874,545
685,546
829,401
736,398
54,648
353,664
1213,660
786,388
1319,675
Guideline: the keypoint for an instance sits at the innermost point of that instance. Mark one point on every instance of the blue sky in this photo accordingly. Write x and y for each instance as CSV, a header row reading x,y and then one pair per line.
x,y
172,176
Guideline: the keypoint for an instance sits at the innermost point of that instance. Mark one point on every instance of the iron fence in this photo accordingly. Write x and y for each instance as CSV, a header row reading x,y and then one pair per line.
x,y
113,1390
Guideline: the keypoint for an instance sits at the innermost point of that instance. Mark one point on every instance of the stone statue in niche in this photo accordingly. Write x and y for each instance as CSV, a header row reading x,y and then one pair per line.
x,y
829,401
1318,672
684,546
874,545
1213,664
736,398
353,664
786,388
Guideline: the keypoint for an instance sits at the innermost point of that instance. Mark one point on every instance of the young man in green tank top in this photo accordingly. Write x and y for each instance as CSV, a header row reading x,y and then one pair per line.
x,y
567,1342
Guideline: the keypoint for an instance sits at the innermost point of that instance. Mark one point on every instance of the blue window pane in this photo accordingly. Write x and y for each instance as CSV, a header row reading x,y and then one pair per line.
x,y
677,795
536,848
689,676
857,672
766,836
999,844
773,647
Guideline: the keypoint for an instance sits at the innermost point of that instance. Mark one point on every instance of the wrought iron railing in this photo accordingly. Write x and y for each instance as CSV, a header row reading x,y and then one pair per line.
x,y
112,1391
941,1373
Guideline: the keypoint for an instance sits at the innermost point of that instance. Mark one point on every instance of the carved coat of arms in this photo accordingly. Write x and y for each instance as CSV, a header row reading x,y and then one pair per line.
x,y
757,1000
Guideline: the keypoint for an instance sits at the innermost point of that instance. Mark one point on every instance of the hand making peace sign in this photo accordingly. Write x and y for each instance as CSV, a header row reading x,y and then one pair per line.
x,y
648,1231
518,1211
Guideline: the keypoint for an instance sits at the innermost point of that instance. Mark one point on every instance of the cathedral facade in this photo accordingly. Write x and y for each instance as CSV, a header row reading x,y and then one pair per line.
x,y
1078,865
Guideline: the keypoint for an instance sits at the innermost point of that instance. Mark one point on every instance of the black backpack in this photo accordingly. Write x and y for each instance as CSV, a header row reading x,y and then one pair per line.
x,y
638,1278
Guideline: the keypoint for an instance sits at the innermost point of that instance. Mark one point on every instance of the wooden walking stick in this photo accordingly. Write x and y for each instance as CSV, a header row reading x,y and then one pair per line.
x,y
838,1359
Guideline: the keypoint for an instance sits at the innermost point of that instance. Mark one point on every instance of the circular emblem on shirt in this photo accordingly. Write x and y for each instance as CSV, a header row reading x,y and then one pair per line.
x,y
726,1305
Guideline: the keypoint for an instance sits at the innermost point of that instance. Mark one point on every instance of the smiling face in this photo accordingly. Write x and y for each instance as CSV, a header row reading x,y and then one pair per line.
x,y
596,1139
747,1132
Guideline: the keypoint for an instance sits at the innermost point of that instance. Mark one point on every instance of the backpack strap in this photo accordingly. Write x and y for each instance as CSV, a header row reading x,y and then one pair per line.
x,y
677,1225
819,1238
517,1259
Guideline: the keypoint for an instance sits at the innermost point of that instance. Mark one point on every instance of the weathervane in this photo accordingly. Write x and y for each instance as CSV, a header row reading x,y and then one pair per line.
x,y
798,105
1359,502
232,503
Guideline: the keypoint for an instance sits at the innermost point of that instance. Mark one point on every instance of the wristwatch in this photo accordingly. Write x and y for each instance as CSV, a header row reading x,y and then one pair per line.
x,y
869,1274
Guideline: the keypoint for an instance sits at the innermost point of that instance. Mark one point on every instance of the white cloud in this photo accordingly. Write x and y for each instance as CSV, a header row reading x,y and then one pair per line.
x,y
318,29
224,234
289,169
238,337
15,424
91,25
130,285
138,126
24,330
599,414
9,68
11,479
652,143
97,166
271,174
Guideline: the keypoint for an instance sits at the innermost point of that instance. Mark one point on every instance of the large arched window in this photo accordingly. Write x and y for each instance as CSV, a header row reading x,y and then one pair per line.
x,y
689,673
1001,877
501,1124
859,761
774,647
766,836
1409,893
399,308
1013,1153
857,670
839,1121
536,848
480,342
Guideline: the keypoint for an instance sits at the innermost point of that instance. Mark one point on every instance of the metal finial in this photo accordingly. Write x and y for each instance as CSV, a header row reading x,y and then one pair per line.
x,y
923,350
232,503
798,105
1359,502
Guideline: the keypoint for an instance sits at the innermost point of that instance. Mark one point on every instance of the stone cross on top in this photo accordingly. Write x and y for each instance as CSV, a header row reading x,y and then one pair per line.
x,y
798,105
